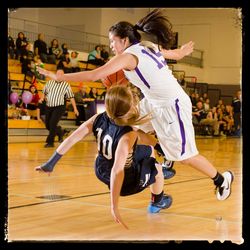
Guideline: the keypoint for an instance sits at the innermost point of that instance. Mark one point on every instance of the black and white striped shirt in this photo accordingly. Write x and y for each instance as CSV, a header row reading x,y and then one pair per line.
x,y
56,92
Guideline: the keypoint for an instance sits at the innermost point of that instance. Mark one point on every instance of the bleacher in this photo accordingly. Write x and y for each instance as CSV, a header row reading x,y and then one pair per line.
x,y
19,83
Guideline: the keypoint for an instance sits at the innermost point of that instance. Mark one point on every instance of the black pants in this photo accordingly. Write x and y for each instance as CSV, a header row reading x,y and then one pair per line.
x,y
90,110
48,58
43,118
237,121
53,116
82,115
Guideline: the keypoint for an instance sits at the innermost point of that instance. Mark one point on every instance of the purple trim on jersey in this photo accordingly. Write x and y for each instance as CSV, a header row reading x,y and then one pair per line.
x,y
159,65
183,137
158,54
141,77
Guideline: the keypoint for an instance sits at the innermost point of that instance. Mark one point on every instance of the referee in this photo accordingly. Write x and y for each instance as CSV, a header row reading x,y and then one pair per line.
x,y
56,92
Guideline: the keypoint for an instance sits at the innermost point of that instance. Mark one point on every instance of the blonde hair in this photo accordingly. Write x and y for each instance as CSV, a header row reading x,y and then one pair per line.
x,y
121,107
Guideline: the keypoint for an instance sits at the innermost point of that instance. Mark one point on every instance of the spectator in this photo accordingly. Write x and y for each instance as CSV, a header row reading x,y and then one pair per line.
x,y
201,117
74,62
40,48
21,43
64,50
83,101
27,60
206,104
65,64
54,49
228,117
104,54
197,97
95,56
193,99
221,121
95,94
11,47
55,92
35,98
201,99
38,62
236,104
220,104
205,96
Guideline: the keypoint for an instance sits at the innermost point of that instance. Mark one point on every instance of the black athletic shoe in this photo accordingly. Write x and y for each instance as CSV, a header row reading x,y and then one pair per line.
x,y
224,191
48,145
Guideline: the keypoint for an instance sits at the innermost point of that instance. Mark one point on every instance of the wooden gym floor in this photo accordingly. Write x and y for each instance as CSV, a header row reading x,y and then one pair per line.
x,y
73,205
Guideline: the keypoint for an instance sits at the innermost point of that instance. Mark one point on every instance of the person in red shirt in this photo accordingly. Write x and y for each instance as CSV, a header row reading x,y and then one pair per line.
x,y
34,102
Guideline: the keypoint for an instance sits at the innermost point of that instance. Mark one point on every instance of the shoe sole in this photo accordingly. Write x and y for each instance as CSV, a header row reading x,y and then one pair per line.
x,y
232,175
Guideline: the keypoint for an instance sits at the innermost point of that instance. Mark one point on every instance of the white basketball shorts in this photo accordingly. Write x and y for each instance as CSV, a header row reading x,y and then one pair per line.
x,y
173,126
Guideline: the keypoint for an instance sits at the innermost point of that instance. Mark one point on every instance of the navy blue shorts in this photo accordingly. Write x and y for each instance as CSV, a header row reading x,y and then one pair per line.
x,y
142,172
137,177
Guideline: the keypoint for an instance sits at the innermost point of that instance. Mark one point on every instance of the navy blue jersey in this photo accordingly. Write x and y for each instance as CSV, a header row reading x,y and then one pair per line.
x,y
139,169
107,134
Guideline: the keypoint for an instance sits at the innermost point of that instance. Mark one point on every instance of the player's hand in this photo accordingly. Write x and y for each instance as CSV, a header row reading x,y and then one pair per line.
x,y
188,48
116,215
47,73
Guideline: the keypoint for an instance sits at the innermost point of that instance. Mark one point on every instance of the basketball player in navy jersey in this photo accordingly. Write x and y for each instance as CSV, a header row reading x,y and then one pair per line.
x,y
144,65
125,167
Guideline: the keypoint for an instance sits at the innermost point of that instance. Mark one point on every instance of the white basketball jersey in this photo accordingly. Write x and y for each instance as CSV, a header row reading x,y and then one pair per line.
x,y
152,76
169,105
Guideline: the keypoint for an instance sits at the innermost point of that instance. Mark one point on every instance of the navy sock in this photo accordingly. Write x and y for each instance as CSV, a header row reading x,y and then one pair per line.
x,y
156,197
50,164
218,179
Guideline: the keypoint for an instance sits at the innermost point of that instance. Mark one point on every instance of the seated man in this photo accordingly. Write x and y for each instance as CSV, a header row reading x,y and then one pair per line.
x,y
82,99
204,118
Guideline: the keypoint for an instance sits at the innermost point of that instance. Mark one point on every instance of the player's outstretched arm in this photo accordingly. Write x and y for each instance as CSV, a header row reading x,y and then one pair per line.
x,y
124,147
177,54
77,135
123,61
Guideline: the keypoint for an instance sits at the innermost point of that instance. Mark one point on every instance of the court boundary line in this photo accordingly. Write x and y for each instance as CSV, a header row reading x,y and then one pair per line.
x,y
90,195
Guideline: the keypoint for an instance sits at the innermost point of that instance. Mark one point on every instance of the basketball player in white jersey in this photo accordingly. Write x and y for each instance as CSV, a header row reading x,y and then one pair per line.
x,y
144,64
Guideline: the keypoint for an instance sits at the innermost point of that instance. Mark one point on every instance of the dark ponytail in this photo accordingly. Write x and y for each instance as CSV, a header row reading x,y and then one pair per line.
x,y
156,23
125,29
